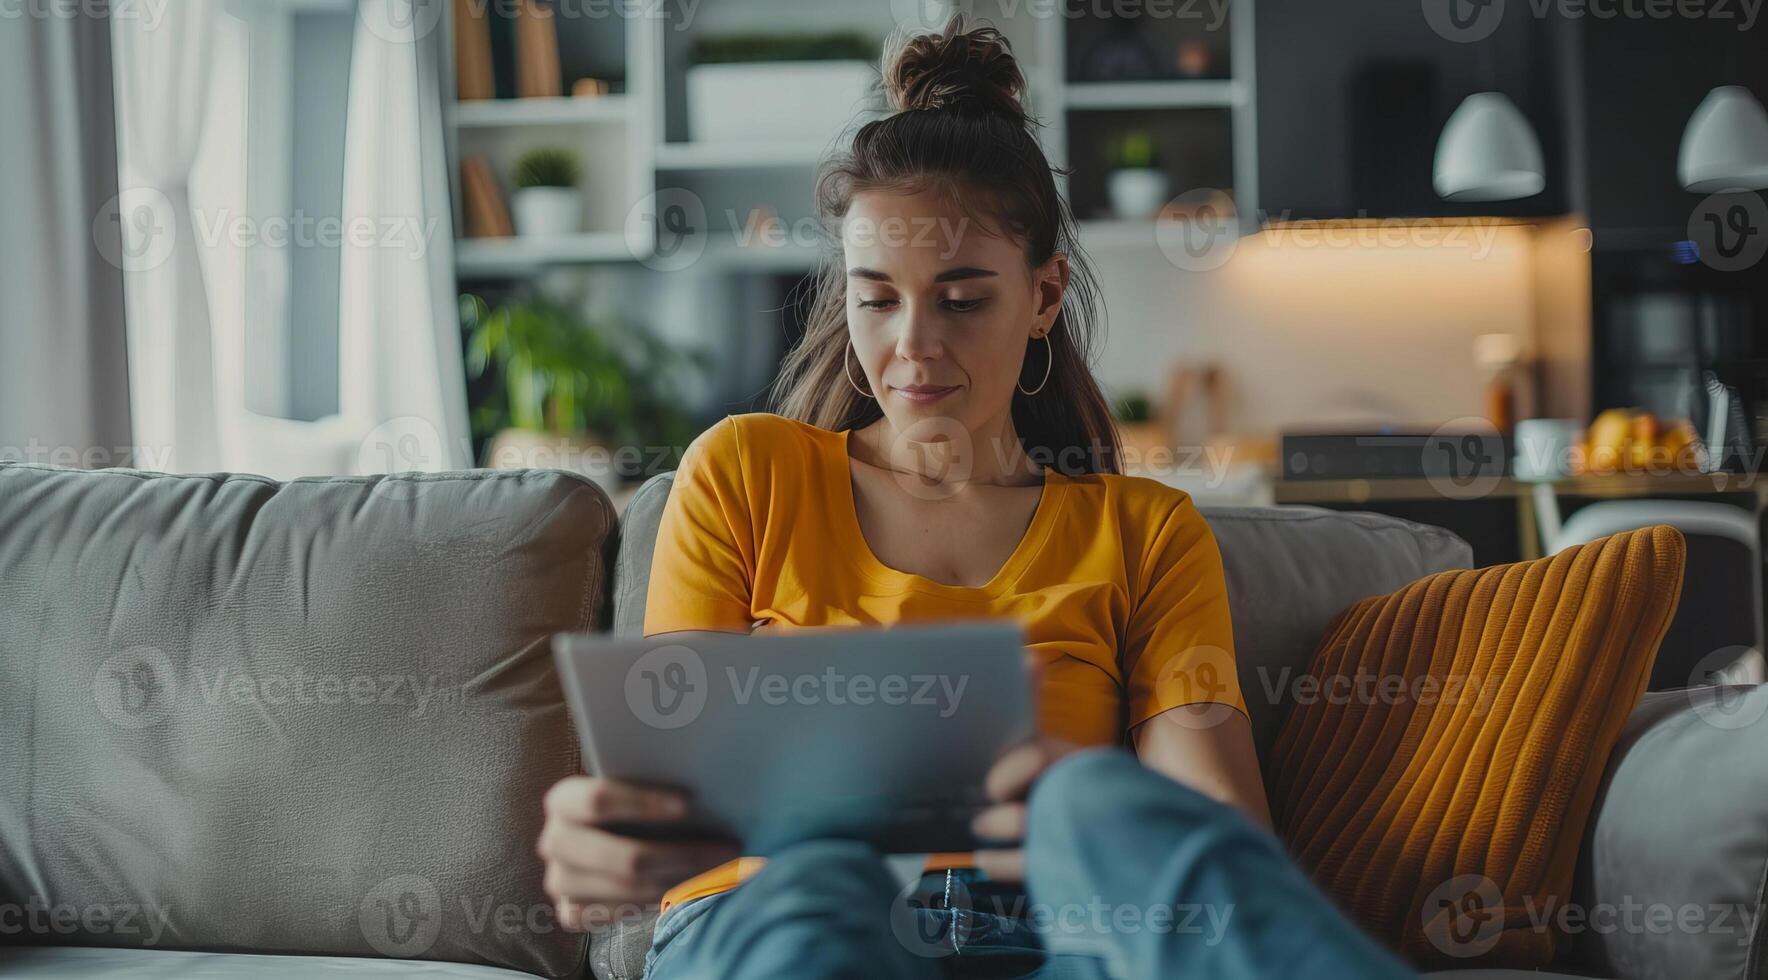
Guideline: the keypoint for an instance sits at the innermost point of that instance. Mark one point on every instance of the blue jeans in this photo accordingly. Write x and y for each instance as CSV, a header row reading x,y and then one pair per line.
x,y
1128,875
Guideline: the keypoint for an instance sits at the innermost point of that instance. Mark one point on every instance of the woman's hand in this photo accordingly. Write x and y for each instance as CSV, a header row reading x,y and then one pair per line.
x,y
1009,784
592,873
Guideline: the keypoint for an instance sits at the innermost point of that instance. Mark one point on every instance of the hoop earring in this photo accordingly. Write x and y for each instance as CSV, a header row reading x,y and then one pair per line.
x,y
847,369
1049,362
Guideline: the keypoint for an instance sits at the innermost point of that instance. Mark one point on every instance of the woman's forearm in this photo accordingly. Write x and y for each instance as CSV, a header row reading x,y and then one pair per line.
x,y
1209,748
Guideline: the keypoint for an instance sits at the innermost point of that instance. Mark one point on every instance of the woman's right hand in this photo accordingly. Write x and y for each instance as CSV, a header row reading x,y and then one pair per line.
x,y
595,876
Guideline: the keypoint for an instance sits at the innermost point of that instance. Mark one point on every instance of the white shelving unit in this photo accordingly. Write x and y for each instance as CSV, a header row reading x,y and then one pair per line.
x,y
1055,98
563,111
610,134
1199,94
478,257
623,138
738,156
785,257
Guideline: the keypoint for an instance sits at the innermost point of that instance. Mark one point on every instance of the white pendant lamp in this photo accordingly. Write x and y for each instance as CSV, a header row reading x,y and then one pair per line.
x,y
1488,152
1725,147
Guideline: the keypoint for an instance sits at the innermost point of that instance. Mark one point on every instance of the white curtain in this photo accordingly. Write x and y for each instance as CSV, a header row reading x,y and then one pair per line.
x,y
63,376
187,142
161,77
399,325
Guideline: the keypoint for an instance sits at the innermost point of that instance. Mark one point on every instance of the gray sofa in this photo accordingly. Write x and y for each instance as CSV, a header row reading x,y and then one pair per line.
x,y
285,730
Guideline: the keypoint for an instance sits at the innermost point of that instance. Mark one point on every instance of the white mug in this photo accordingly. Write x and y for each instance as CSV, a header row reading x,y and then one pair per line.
x,y
1543,449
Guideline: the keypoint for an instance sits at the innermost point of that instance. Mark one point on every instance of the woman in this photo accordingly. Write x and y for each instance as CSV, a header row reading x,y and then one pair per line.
x,y
943,452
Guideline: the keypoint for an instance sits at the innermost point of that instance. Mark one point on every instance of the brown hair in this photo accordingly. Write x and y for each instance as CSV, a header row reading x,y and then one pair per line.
x,y
959,127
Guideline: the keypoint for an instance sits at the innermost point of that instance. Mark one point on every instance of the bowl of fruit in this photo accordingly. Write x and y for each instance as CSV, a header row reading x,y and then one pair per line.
x,y
1626,440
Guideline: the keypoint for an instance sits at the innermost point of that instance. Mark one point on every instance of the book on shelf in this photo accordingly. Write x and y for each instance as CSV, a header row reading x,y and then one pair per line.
x,y
487,215
474,79
538,74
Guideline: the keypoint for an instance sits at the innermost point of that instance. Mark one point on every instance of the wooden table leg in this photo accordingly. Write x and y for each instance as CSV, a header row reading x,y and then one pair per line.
x,y
1527,530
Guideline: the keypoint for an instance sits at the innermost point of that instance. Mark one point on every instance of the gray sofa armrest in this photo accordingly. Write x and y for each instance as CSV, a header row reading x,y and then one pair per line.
x,y
1670,880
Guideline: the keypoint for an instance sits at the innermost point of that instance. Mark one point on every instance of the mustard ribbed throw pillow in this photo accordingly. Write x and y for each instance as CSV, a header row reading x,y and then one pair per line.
x,y
1437,778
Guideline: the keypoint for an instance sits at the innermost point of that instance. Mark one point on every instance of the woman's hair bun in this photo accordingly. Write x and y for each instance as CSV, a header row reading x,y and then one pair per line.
x,y
958,69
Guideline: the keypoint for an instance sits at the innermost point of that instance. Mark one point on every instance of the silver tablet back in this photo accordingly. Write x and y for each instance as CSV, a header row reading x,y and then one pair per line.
x,y
875,734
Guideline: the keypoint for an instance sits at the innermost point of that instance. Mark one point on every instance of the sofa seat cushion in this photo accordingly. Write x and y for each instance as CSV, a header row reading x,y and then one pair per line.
x,y
314,717
96,963
1442,794
1675,863
1501,975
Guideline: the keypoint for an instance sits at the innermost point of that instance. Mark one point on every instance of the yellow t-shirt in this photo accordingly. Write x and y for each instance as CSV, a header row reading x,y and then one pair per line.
x,y
1117,582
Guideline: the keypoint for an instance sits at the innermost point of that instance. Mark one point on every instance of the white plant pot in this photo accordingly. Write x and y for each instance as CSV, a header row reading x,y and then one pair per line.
x,y
771,101
548,211
1136,192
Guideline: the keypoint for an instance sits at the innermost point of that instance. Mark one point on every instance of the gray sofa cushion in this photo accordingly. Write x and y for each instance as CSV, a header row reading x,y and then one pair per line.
x,y
1675,860
1289,570
314,717
632,565
93,963
1480,973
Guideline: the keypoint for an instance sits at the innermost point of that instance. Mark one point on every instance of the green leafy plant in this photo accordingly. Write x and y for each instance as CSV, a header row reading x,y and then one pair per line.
x,y
834,46
1135,151
548,166
1134,407
552,371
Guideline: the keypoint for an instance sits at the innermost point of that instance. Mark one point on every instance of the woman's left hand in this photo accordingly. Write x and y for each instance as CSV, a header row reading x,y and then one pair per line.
x,y
1009,785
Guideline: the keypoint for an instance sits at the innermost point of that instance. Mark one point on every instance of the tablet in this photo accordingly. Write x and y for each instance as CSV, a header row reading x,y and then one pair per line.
x,y
882,735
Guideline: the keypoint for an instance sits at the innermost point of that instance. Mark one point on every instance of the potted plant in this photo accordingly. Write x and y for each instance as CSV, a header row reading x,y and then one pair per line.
x,y
558,392
1136,185
547,201
1141,434
747,88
